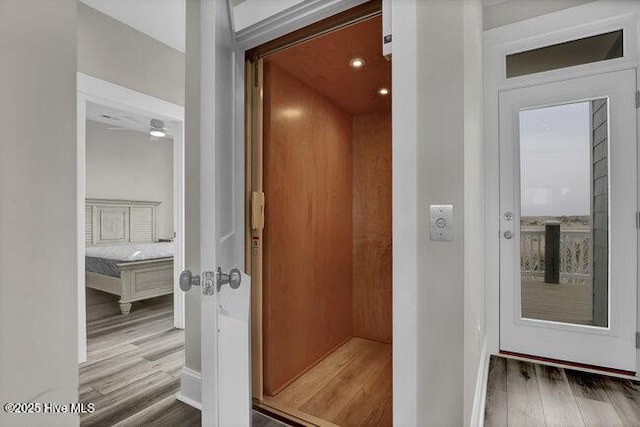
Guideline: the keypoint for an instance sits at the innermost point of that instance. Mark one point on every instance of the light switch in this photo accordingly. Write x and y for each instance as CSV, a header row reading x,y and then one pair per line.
x,y
441,220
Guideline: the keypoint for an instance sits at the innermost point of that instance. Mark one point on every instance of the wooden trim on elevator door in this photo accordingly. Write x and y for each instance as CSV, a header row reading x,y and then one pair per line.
x,y
254,239
348,17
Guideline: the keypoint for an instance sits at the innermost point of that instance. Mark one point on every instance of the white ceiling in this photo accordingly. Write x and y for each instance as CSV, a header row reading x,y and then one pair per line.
x,y
124,119
164,20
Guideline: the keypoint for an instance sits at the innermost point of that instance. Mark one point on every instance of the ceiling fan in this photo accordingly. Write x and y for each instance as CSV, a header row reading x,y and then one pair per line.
x,y
156,128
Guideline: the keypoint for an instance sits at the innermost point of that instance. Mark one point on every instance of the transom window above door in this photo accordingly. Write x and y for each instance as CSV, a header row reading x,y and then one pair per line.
x,y
587,50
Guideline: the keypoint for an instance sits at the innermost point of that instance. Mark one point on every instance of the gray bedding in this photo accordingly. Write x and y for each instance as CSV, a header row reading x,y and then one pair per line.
x,y
104,259
105,266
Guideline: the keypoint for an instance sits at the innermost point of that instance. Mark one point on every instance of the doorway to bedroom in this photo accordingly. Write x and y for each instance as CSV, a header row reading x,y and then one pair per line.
x,y
131,236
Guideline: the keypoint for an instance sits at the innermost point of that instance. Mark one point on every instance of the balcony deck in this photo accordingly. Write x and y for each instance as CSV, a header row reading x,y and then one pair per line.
x,y
564,302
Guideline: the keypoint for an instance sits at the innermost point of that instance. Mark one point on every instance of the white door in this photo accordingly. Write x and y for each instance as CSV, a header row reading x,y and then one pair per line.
x,y
226,390
568,203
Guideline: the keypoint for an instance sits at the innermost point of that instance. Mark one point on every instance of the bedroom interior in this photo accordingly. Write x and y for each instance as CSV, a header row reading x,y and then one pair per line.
x,y
129,205
129,258
325,342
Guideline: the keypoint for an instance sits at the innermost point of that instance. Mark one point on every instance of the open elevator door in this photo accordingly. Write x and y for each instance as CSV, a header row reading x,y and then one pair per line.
x,y
254,196
254,221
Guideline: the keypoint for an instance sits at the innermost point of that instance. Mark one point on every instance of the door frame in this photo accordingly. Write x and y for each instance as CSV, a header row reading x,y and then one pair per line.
x,y
254,168
574,23
405,209
92,89
610,346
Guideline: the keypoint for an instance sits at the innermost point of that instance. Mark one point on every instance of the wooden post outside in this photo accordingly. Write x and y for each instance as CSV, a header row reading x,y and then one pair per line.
x,y
552,252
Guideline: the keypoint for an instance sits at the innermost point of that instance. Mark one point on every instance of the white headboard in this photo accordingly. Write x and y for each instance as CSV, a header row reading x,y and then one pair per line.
x,y
109,222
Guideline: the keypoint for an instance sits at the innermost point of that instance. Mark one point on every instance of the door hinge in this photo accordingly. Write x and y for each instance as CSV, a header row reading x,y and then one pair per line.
x,y
638,99
638,220
637,339
257,210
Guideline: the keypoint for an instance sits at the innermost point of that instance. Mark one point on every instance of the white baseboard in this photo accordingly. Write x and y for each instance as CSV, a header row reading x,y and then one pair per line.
x,y
190,388
480,396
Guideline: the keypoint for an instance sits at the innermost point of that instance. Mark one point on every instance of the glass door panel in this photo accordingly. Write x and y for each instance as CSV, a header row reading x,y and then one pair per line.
x,y
564,213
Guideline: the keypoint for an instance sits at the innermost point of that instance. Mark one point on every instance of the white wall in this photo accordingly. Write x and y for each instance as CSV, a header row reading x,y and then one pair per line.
x,y
508,12
115,52
440,157
125,165
474,231
192,182
437,158
38,219
405,232
449,164
249,12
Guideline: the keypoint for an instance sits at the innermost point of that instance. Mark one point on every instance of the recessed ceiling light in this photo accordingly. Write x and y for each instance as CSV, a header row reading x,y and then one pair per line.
x,y
158,133
356,63
383,91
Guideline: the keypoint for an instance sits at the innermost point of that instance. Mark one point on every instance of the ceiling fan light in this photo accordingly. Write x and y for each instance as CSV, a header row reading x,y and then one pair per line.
x,y
157,133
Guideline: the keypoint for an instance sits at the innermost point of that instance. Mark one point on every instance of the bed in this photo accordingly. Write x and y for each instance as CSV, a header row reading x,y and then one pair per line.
x,y
123,256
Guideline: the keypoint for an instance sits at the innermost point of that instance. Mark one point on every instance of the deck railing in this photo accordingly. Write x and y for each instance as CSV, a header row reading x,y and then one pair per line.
x,y
575,255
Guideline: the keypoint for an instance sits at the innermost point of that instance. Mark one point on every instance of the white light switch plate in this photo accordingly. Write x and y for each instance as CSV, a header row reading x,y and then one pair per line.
x,y
441,221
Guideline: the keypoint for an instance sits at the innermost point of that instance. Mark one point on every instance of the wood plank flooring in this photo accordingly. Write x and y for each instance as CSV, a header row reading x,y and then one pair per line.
x,y
133,366
350,387
530,394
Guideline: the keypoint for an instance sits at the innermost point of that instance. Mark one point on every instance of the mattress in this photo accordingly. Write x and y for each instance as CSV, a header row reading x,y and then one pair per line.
x,y
108,267
105,259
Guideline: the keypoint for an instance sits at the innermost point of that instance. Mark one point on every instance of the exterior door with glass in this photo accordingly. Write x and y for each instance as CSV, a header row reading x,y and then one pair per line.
x,y
568,204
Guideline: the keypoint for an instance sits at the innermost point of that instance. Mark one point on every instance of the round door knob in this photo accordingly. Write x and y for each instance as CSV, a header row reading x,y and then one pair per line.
x,y
508,235
235,277
187,280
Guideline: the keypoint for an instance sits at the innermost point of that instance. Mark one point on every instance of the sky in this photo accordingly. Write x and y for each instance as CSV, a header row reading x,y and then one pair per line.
x,y
555,160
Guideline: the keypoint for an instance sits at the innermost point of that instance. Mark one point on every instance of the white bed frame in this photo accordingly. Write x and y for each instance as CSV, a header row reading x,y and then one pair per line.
x,y
113,222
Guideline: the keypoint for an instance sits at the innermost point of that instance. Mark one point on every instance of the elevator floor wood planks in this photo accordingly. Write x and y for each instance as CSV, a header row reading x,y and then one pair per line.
x,y
350,387
522,393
